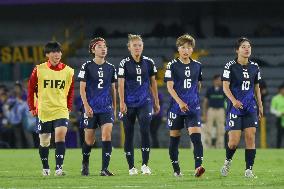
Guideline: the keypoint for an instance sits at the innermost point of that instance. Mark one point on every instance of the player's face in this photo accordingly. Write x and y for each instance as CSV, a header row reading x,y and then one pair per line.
x,y
54,57
185,51
135,47
282,91
217,82
100,50
244,50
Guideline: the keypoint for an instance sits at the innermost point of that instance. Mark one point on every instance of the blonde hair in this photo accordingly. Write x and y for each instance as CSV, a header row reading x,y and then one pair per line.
x,y
186,38
132,37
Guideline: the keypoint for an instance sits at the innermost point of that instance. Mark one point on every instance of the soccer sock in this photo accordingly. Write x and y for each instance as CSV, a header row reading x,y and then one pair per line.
x,y
59,154
145,146
86,151
106,153
129,151
173,152
198,148
43,153
250,156
229,153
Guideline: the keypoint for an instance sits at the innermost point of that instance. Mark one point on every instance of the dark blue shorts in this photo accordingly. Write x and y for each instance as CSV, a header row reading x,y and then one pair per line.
x,y
49,126
178,122
96,121
143,114
241,122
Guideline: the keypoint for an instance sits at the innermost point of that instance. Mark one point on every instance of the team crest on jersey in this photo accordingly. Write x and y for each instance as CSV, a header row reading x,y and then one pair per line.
x,y
187,73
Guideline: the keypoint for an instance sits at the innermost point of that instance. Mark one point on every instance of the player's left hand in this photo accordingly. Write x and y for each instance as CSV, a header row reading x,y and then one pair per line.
x,y
156,108
260,112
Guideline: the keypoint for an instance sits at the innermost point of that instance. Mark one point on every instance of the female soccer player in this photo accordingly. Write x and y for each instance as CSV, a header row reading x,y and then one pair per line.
x,y
54,85
241,85
136,86
97,89
183,77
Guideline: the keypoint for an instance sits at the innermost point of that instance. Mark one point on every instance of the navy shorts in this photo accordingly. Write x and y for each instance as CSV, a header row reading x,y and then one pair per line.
x,y
241,122
143,114
178,122
96,121
49,126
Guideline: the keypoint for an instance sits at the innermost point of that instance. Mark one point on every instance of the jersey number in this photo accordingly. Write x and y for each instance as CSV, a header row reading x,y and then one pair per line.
x,y
187,83
245,85
139,79
101,81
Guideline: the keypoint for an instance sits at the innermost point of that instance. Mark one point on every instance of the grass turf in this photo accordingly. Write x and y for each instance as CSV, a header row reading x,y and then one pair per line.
x,y
22,169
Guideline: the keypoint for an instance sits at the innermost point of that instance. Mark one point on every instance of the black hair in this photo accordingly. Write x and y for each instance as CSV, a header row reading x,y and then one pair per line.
x,y
93,42
52,46
240,41
281,86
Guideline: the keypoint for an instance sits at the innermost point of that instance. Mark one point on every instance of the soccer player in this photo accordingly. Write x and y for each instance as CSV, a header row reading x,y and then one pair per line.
x,y
137,86
183,78
97,89
241,86
53,82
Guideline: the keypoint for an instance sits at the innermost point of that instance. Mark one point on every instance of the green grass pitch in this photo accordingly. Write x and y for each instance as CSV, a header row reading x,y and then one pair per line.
x,y
22,169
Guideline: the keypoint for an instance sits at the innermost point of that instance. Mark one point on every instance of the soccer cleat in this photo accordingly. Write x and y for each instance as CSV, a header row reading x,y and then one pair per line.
x,y
106,173
145,170
46,172
59,172
133,171
85,169
226,168
199,171
249,174
178,174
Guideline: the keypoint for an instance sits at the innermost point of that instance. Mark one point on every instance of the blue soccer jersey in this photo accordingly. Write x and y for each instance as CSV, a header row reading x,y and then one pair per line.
x,y
185,78
137,77
99,79
242,80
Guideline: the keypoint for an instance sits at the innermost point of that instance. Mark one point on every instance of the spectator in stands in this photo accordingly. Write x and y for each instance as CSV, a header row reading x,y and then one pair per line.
x,y
15,109
214,113
277,108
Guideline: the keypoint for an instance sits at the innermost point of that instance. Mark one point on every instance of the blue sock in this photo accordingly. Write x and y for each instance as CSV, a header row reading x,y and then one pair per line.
x,y
86,151
145,140
173,152
229,153
59,154
198,148
43,153
129,151
250,156
106,153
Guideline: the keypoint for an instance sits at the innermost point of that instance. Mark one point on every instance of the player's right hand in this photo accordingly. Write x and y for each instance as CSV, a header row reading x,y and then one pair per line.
x,y
183,106
238,104
123,108
88,110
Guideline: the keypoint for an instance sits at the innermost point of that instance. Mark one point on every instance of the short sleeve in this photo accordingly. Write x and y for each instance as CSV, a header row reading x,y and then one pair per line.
x,y
257,77
226,76
153,69
82,75
121,69
169,73
114,76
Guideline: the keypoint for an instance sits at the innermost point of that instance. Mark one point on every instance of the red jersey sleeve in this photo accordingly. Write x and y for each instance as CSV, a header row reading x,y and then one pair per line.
x,y
32,89
70,96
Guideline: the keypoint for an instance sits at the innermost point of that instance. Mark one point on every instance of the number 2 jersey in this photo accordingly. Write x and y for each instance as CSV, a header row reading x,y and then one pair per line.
x,y
242,80
137,77
99,79
186,78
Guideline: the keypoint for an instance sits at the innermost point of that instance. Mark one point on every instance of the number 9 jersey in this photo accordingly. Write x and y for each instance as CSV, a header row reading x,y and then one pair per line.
x,y
99,79
186,78
242,80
